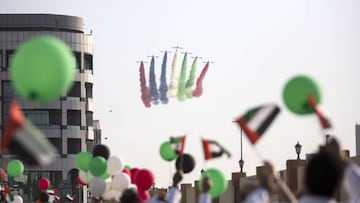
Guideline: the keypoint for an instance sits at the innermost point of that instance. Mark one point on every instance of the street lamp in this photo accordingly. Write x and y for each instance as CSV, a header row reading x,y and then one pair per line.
x,y
298,149
327,139
241,164
241,161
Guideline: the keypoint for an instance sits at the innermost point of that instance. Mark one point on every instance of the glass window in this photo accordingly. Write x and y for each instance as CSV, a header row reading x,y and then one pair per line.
x,y
56,142
89,118
1,59
54,117
8,91
88,60
74,145
74,117
77,60
9,55
75,90
88,87
37,117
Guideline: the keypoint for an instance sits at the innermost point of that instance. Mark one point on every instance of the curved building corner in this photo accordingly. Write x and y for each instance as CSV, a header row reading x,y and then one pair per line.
x,y
67,122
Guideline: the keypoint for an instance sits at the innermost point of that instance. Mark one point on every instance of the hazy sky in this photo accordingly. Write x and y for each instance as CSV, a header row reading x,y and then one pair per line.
x,y
256,45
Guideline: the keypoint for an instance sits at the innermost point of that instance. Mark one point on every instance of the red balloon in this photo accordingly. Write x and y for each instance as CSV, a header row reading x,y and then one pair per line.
x,y
143,195
133,172
144,179
80,182
2,174
126,171
44,183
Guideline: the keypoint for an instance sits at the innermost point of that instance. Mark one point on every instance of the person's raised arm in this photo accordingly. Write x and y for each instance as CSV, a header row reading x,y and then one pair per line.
x,y
174,195
205,189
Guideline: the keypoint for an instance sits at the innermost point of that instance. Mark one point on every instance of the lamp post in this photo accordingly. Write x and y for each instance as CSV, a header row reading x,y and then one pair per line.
x,y
298,150
327,139
241,165
241,161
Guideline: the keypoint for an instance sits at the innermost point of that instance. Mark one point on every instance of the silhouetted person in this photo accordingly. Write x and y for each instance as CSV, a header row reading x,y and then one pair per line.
x,y
129,196
325,173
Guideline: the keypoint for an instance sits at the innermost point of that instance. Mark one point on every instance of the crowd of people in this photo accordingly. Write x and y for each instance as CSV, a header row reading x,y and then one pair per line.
x,y
325,172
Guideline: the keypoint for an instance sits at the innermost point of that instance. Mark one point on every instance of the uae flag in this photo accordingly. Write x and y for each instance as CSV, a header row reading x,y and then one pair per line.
x,y
179,144
26,141
324,122
255,121
213,149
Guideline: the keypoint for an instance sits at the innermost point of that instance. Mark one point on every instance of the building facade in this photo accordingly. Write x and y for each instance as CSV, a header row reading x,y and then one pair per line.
x,y
67,122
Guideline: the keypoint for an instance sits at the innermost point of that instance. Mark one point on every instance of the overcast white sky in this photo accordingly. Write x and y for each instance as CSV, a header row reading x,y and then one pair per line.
x,y
256,45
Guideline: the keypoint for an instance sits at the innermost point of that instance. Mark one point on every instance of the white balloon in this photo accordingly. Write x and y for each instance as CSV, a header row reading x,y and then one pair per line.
x,y
86,177
133,186
112,195
115,165
97,187
120,182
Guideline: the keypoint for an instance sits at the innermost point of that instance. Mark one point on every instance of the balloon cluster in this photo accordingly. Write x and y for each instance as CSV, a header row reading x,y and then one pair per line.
x,y
186,163
107,176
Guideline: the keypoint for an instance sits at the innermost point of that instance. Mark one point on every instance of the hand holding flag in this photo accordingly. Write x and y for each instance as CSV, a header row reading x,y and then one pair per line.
x,y
179,144
25,140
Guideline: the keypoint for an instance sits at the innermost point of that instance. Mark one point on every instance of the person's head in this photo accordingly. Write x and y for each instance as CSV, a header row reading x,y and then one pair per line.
x,y
323,174
129,196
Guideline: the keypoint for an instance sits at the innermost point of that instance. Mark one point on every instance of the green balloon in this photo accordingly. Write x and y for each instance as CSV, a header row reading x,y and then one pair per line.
x,y
43,69
167,152
218,181
97,166
82,160
295,94
15,168
105,175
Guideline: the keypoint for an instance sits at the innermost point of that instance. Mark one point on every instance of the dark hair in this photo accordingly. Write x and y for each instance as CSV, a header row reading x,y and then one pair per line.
x,y
129,196
323,174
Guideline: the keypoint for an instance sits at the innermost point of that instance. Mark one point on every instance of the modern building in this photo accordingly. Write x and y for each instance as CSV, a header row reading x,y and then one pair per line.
x,y
67,122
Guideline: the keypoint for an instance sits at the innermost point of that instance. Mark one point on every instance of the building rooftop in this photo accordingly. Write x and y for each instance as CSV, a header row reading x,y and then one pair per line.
x,y
25,22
